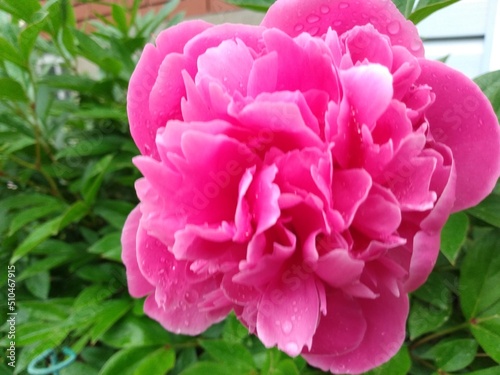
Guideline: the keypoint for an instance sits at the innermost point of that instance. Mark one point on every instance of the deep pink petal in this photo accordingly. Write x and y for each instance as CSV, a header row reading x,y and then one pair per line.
x,y
179,293
463,119
229,63
385,319
288,315
142,125
350,188
338,268
316,16
341,330
138,286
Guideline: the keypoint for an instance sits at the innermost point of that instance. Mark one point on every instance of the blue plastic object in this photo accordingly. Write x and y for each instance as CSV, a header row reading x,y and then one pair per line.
x,y
55,366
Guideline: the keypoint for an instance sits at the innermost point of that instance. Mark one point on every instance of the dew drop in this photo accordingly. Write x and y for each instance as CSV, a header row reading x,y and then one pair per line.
x,y
337,23
313,18
314,31
415,45
299,27
286,327
325,9
292,348
343,5
393,27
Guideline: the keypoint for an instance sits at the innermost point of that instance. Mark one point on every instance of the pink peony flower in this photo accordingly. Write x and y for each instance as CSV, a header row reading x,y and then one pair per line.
x,y
299,173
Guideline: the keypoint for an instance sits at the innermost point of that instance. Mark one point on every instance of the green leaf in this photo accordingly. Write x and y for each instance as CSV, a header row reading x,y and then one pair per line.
x,y
109,314
159,18
398,365
480,299
50,228
47,264
453,236
39,285
28,36
436,290
231,353
135,331
490,84
78,368
125,361
425,318
24,9
11,90
54,309
480,276
109,247
34,332
488,371
13,141
204,368
23,218
453,355
158,362
40,234
114,212
488,210
10,53
120,17
405,6
93,179
257,5
25,200
426,7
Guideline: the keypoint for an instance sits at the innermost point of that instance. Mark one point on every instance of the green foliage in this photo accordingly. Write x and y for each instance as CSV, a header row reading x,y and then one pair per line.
x,y
67,188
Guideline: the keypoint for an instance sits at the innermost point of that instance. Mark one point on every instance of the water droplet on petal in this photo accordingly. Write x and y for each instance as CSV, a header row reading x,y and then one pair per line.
x,y
313,18
292,348
286,327
343,5
325,9
299,27
337,23
393,27
415,45
314,31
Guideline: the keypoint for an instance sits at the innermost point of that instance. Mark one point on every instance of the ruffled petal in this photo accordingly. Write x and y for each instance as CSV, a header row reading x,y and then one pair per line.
x,y
179,293
142,124
316,16
463,119
138,286
288,315
385,319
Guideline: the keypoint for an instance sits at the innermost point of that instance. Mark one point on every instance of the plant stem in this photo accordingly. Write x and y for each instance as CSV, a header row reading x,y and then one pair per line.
x,y
439,334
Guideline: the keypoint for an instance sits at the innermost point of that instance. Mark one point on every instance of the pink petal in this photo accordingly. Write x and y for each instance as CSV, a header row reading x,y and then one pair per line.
x,y
384,319
364,43
316,16
463,119
138,286
214,36
308,55
229,63
338,269
288,315
341,330
349,189
379,215
368,90
179,293
142,125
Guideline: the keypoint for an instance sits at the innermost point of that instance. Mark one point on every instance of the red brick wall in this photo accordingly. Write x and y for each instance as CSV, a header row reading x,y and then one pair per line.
x,y
84,12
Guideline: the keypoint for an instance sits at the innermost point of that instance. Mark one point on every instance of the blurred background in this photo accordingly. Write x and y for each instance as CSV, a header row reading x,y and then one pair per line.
x,y
67,185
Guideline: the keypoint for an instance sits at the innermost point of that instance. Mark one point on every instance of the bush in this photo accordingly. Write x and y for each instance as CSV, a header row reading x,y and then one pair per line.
x,y
67,187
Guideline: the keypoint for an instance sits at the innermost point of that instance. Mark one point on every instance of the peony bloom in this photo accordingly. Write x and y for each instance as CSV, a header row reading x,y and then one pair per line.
x,y
299,173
